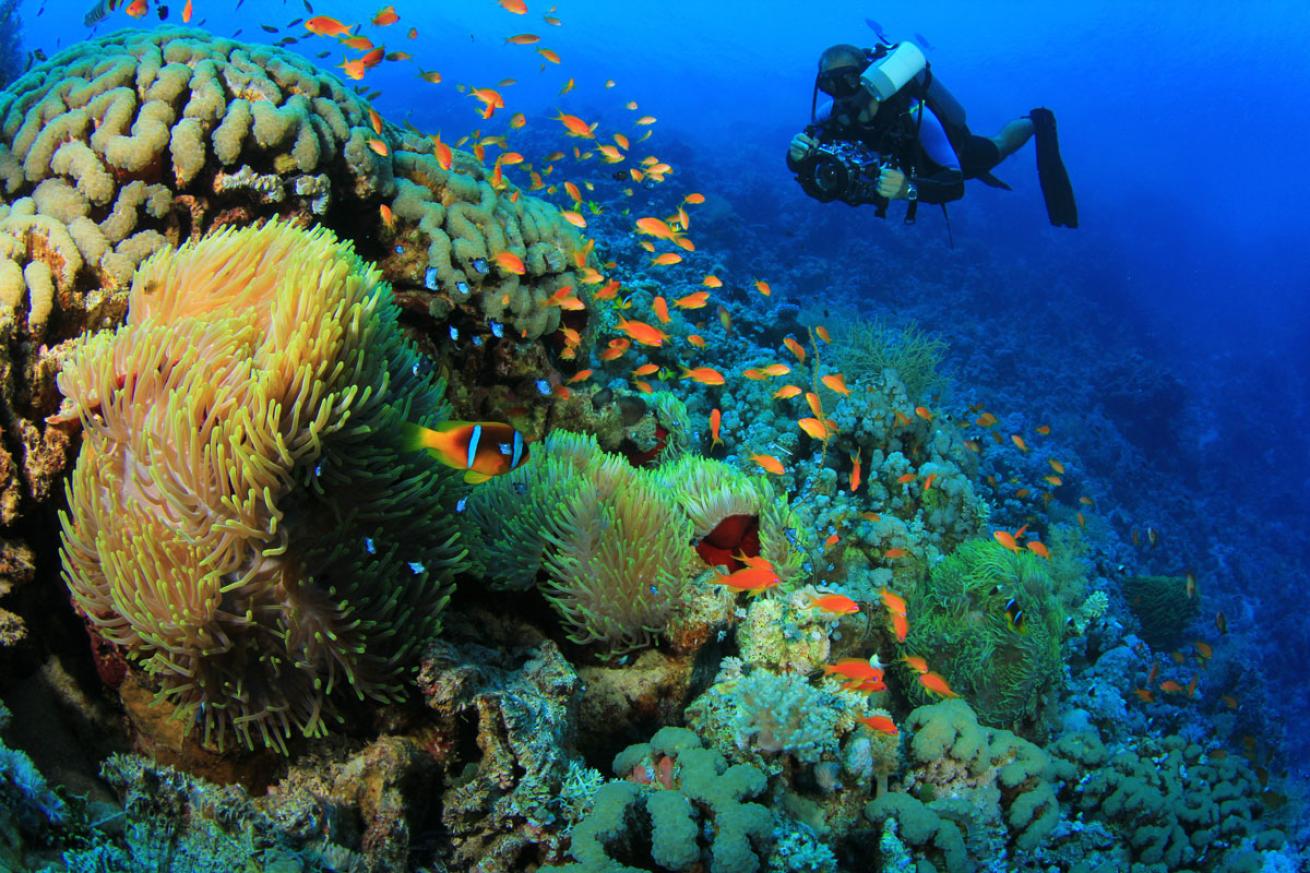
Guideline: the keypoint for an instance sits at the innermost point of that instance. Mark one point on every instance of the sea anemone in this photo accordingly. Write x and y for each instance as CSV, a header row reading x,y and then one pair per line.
x,y
243,522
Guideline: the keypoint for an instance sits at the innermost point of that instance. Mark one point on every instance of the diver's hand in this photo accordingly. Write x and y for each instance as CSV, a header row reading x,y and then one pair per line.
x,y
800,147
892,184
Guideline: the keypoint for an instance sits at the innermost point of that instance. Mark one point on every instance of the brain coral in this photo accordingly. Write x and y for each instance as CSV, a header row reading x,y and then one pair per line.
x,y
120,146
242,521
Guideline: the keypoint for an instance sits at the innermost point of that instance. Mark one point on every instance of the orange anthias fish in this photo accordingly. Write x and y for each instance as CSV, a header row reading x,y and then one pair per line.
x,y
660,307
769,463
523,39
835,604
856,670
880,723
893,601
1169,686
695,300
716,420
763,287
1018,442
445,157
518,7
640,331
137,8
750,578
795,348
186,13
855,472
900,626
1038,548
836,382
712,281
575,126
1006,539
386,16
936,684
510,263
482,449
703,375
786,392
923,412
917,663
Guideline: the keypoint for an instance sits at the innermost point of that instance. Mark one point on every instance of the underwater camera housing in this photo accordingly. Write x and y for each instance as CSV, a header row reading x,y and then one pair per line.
x,y
843,170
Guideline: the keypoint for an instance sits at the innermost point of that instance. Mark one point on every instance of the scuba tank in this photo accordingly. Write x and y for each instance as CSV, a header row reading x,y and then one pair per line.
x,y
894,70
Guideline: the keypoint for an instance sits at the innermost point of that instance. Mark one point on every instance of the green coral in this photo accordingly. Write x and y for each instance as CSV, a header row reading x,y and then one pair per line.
x,y
958,620
1174,805
997,786
245,522
687,810
870,347
1163,607
906,820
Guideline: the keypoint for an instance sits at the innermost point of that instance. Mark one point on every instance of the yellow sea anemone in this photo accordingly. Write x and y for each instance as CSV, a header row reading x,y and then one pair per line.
x,y
242,520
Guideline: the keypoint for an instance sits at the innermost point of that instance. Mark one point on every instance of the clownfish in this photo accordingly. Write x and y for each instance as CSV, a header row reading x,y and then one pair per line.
x,y
483,449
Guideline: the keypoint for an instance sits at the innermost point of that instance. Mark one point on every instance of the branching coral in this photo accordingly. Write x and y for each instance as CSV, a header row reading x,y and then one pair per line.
x,y
243,520
870,347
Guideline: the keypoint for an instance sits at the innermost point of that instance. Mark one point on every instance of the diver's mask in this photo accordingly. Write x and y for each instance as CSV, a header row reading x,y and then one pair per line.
x,y
839,84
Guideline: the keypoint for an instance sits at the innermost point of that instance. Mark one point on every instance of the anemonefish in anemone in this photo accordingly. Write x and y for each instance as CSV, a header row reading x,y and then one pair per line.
x,y
483,449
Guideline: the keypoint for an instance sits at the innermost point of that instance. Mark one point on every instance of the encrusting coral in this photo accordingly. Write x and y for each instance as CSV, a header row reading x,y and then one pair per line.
x,y
244,523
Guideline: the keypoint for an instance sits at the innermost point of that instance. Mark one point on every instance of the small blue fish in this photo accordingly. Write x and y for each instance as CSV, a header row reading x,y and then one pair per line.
x,y
480,265
461,503
454,333
400,250
877,29
416,568
430,279
369,546
543,387
497,329
477,342
462,287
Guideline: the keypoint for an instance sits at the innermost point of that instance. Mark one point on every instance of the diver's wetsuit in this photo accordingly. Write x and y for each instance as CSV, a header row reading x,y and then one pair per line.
x,y
932,164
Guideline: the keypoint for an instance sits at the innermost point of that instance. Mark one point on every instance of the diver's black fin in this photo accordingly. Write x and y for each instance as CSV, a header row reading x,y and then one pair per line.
x,y
989,179
1057,190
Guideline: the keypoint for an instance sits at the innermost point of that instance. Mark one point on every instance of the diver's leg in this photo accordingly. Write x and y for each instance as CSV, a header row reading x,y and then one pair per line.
x,y
1013,136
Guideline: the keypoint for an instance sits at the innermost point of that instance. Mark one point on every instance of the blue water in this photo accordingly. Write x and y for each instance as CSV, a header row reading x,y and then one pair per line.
x,y
1182,296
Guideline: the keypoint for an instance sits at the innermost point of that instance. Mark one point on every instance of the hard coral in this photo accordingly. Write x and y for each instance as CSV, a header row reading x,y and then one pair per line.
x,y
243,520
120,146
681,808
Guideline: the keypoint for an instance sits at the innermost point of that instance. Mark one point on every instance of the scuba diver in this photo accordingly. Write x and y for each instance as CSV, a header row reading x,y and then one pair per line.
x,y
893,132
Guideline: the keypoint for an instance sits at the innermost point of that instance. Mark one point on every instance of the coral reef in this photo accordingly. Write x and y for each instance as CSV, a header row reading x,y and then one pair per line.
x,y
241,520
1175,805
522,794
677,806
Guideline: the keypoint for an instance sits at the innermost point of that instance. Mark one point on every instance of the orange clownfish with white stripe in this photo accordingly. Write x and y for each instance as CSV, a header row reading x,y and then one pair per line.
x,y
483,449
